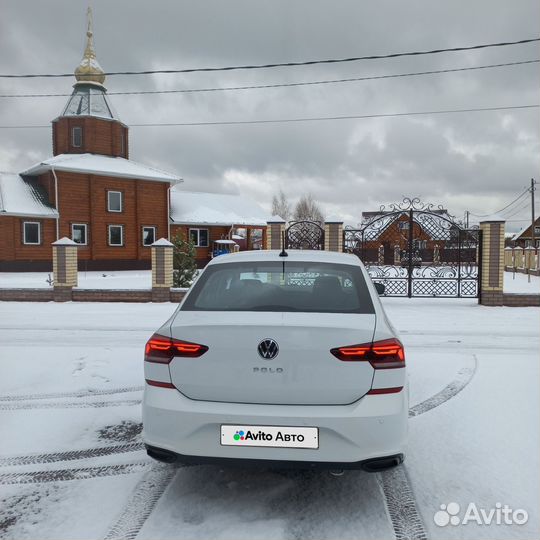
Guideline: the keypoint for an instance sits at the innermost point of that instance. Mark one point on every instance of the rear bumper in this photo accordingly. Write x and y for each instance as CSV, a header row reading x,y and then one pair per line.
x,y
368,465
349,435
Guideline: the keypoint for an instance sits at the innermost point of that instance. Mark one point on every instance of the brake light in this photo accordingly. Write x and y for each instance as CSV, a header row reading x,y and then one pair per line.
x,y
162,350
159,384
384,354
394,390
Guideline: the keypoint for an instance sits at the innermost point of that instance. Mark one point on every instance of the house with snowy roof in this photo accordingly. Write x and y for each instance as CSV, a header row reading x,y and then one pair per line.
x,y
524,237
390,229
92,192
209,217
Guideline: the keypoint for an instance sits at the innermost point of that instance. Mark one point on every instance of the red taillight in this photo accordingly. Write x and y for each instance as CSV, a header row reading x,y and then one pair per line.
x,y
393,390
160,384
162,350
384,354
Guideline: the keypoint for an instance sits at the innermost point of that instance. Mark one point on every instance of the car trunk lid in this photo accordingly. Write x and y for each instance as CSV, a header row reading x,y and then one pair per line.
x,y
303,372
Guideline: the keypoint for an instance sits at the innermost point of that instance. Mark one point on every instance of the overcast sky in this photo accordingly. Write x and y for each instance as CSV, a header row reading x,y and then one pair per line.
x,y
477,161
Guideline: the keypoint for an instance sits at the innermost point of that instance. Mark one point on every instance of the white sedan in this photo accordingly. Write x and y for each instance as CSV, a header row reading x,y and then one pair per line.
x,y
281,359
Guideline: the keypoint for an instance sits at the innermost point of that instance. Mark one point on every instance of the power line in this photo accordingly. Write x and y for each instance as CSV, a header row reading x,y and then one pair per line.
x,y
282,64
286,85
308,119
517,220
520,196
521,209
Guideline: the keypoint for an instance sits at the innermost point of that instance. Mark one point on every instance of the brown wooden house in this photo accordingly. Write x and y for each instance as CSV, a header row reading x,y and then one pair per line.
x,y
524,238
208,217
388,234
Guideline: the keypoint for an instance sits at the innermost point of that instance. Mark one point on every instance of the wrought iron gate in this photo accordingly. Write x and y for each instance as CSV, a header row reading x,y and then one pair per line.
x,y
304,235
417,249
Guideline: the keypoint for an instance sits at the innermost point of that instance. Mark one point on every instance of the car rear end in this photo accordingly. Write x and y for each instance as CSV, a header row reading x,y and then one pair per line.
x,y
278,359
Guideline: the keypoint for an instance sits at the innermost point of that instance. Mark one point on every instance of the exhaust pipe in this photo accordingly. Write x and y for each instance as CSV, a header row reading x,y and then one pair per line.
x,y
382,464
165,456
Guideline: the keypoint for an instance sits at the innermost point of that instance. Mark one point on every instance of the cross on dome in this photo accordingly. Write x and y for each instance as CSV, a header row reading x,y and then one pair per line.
x,y
89,69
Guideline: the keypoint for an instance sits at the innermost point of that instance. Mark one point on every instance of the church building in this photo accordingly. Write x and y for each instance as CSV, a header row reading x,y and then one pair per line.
x,y
90,191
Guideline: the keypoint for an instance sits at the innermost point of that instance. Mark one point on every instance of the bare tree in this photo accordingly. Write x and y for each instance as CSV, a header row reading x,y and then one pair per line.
x,y
281,206
307,209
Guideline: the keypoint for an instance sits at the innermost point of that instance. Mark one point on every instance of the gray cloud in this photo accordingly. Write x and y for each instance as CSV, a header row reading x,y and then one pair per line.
x,y
476,161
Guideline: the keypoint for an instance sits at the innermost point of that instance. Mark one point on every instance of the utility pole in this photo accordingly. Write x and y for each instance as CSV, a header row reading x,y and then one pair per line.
x,y
467,219
533,242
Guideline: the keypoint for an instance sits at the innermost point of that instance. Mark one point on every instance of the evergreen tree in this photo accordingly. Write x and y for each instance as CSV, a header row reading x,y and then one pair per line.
x,y
184,264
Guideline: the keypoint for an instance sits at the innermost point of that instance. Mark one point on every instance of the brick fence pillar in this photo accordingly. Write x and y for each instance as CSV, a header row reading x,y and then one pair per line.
x,y
491,287
162,270
333,234
64,269
274,234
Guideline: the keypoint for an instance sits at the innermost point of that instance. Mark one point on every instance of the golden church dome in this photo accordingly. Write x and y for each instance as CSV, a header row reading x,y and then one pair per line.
x,y
89,70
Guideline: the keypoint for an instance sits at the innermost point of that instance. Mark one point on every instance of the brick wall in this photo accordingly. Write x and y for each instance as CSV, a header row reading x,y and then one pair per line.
x,y
85,295
26,295
521,300
104,295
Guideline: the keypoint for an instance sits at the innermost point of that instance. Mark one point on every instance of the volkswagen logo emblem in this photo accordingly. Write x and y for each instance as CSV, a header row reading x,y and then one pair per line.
x,y
268,349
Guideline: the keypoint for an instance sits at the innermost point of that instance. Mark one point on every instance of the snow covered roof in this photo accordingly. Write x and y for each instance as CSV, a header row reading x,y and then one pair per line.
x,y
192,208
23,197
525,229
105,165
65,241
162,242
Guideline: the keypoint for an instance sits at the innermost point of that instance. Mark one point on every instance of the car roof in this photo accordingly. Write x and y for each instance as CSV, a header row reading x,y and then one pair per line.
x,y
309,255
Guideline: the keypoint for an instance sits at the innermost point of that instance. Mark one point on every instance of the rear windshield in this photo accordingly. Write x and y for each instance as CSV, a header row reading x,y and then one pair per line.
x,y
281,286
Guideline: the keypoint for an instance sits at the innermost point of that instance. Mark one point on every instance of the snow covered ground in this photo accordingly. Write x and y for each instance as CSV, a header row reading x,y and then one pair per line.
x,y
125,279
70,378
142,279
521,283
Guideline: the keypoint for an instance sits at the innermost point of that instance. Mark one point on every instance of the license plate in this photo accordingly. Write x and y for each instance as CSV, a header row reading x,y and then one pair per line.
x,y
270,436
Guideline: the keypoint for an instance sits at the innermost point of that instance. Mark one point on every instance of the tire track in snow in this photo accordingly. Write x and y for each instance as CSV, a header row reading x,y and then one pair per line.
x,y
463,378
87,453
68,405
401,505
63,475
77,394
398,495
142,502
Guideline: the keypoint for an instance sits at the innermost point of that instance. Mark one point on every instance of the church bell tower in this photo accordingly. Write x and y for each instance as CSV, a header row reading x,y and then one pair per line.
x,y
88,123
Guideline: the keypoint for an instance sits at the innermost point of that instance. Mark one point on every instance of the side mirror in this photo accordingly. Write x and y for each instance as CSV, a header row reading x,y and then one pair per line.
x,y
380,288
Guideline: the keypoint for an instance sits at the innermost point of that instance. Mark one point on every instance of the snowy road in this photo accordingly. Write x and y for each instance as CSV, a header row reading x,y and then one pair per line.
x,y
71,463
